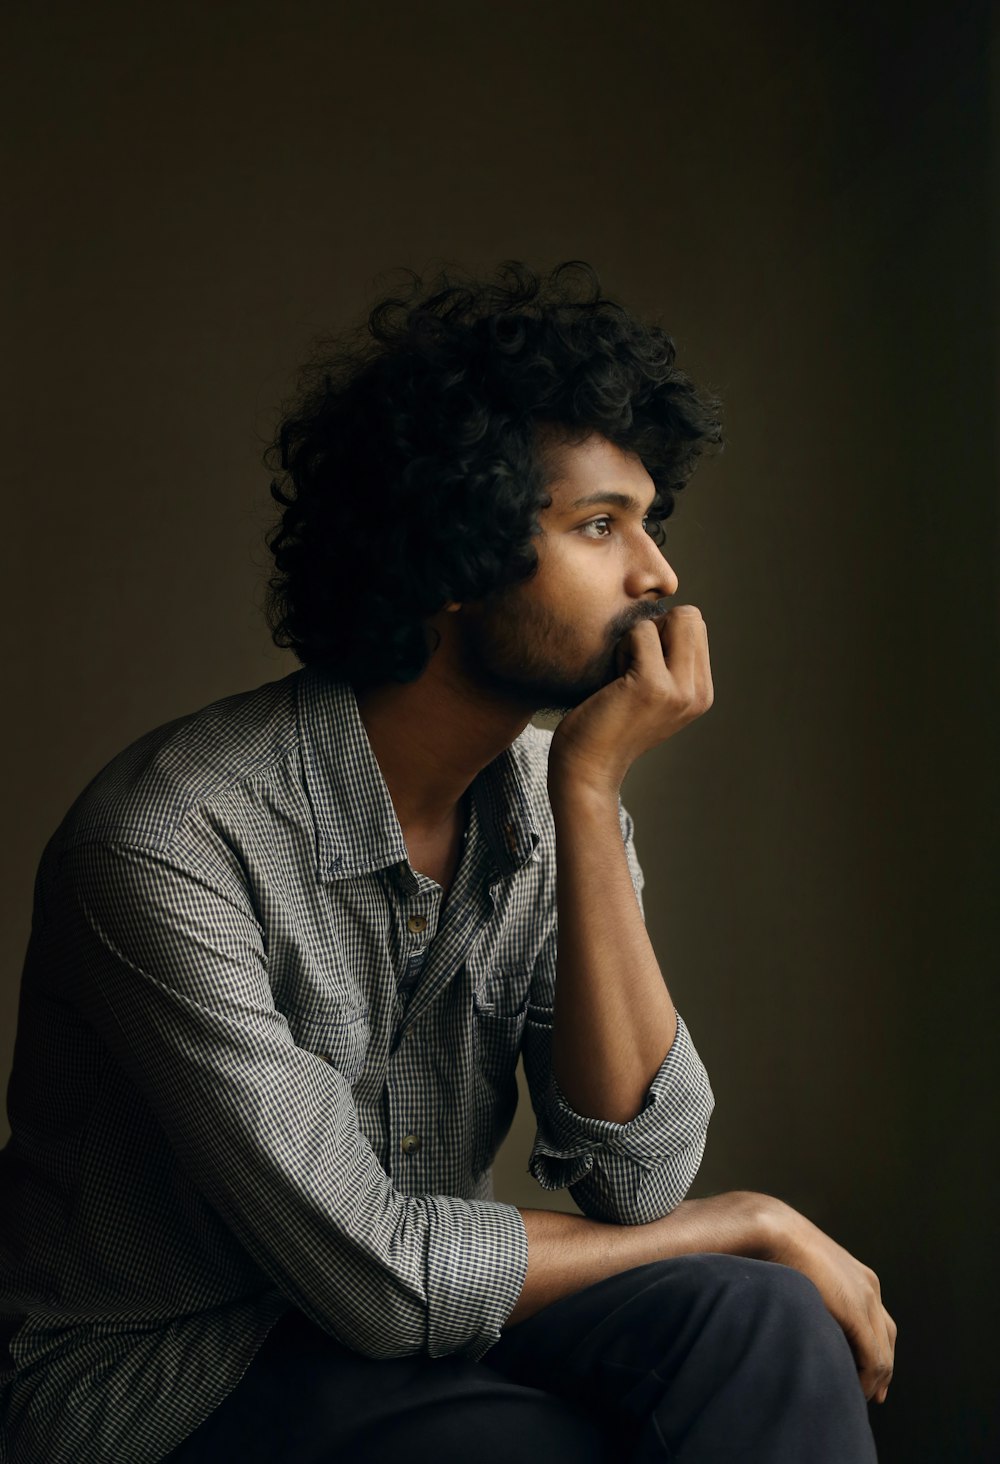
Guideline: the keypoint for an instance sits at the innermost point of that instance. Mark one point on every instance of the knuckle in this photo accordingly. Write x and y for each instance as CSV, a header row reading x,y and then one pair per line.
x,y
881,1364
652,699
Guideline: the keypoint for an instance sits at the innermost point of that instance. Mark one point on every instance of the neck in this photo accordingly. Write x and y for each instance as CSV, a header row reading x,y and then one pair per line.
x,y
431,737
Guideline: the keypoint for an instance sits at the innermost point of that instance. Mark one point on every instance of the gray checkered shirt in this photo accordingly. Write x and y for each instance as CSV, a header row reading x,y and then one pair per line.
x,y
258,1064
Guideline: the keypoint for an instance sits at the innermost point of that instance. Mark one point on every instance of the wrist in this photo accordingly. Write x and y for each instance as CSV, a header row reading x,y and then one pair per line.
x,y
578,769
777,1228
736,1223
570,781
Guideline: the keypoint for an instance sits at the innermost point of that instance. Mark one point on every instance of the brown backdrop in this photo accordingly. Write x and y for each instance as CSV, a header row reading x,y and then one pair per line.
x,y
806,197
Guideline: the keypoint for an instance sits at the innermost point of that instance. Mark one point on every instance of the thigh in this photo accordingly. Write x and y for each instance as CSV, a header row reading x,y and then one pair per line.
x,y
306,1398
651,1317
694,1345
579,1345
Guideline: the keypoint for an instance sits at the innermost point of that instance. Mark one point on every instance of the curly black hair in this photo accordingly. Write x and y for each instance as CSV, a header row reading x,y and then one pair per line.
x,y
411,464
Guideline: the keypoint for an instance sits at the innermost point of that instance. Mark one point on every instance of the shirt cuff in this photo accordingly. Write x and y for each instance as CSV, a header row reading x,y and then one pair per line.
x,y
477,1259
674,1113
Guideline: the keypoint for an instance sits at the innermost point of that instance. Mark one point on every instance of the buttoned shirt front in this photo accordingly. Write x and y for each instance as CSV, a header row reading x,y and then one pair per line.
x,y
259,1062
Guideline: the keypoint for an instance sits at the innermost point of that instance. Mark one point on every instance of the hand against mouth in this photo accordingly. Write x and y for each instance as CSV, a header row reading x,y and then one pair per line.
x,y
664,682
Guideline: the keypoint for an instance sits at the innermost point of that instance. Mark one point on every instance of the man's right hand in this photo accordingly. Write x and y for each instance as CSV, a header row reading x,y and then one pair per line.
x,y
664,682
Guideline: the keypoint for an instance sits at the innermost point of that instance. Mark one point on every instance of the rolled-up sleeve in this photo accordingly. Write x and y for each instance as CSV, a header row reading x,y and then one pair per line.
x,y
624,1172
169,965
627,1173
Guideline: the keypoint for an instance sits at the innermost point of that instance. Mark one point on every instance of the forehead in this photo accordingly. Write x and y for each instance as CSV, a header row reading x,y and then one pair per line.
x,y
594,466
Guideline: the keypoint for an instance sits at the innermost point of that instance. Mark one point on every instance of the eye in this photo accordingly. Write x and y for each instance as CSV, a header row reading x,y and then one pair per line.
x,y
597,524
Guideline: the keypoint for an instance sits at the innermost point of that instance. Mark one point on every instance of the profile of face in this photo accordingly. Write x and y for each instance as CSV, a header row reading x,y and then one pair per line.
x,y
550,642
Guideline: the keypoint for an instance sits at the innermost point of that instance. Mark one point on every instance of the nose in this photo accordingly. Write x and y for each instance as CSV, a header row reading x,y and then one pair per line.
x,y
650,575
669,577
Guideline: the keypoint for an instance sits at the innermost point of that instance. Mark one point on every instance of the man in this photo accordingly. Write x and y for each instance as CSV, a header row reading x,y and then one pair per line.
x,y
287,950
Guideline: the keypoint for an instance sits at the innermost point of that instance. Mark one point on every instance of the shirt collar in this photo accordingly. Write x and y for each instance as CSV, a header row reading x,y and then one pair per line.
x,y
357,830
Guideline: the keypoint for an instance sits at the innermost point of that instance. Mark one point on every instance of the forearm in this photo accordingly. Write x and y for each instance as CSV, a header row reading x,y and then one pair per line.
x,y
614,1021
569,1252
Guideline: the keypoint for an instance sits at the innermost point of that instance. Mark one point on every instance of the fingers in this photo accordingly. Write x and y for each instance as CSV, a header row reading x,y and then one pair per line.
x,y
684,636
646,651
890,1328
871,1332
874,1353
853,1296
676,644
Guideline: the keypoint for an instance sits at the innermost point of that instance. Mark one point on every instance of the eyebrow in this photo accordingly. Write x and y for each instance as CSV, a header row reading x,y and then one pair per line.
x,y
620,500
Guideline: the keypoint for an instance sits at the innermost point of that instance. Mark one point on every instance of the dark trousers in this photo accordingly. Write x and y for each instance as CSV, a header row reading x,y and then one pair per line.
x,y
697,1360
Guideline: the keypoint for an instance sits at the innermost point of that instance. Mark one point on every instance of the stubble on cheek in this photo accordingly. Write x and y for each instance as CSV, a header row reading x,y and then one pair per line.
x,y
523,650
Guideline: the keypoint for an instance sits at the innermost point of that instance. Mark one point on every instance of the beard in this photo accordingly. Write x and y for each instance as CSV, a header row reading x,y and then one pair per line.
x,y
520,651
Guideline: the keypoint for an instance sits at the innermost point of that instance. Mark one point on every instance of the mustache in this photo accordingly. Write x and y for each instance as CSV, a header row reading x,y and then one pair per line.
x,y
647,610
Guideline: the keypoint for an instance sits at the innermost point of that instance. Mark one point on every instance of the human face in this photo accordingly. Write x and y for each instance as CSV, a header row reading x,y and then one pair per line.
x,y
552,641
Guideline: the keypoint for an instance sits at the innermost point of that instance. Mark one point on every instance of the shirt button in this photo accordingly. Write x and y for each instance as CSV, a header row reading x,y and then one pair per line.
x,y
416,924
410,1143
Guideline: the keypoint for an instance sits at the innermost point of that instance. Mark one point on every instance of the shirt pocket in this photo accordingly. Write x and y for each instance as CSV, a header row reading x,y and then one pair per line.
x,y
340,1038
497,1036
499,1012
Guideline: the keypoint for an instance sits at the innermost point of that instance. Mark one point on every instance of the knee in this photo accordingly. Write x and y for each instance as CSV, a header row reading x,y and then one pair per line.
x,y
772,1284
741,1282
765,1296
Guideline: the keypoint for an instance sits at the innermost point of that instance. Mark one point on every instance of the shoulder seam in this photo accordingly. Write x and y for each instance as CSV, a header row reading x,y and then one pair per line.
x,y
197,804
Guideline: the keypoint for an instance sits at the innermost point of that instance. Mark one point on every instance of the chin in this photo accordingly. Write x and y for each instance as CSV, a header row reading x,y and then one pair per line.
x,y
562,697
544,686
